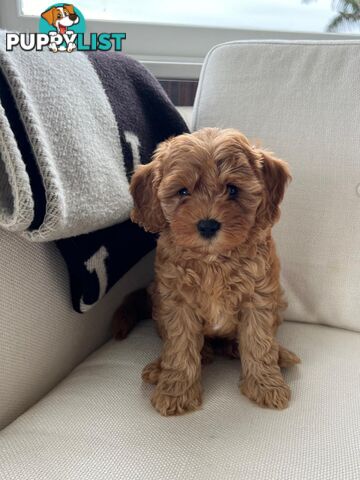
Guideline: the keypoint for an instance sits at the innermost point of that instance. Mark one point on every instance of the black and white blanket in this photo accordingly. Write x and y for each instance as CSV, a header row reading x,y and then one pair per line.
x,y
73,127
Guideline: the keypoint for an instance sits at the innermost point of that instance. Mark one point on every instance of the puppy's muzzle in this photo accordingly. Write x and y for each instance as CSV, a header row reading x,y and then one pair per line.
x,y
73,16
208,228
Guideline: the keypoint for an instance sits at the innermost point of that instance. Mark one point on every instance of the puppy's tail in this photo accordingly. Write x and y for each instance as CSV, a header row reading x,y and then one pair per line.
x,y
136,306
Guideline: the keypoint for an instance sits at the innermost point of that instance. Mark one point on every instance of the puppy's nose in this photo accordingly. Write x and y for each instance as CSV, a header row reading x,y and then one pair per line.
x,y
208,228
73,16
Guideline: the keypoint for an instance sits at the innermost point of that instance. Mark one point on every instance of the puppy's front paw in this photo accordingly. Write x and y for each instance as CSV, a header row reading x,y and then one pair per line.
x,y
168,405
53,47
271,396
71,47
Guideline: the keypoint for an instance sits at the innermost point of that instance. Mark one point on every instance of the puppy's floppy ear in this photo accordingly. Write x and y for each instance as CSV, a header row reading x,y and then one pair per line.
x,y
48,15
147,211
69,8
276,176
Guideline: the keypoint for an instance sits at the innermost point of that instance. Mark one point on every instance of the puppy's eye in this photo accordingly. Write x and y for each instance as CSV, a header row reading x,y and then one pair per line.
x,y
58,15
183,192
232,191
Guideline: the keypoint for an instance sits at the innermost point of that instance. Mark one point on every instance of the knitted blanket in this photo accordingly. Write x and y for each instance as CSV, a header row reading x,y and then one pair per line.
x,y
73,127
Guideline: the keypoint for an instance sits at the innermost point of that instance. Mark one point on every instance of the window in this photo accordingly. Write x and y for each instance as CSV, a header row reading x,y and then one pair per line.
x,y
166,37
281,15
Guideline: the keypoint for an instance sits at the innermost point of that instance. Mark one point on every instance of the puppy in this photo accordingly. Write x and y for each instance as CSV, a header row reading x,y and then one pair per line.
x,y
214,199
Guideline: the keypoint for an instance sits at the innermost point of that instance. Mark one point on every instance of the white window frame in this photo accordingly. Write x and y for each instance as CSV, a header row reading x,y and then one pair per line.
x,y
169,51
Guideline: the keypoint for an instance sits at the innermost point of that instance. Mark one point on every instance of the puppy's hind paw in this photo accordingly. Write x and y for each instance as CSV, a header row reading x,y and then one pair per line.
x,y
207,353
287,358
151,372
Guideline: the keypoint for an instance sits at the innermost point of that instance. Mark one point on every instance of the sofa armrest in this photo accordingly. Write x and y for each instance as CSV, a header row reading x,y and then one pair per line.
x,y
41,337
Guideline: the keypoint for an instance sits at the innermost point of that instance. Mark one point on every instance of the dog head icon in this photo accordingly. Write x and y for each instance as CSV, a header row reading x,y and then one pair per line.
x,y
62,18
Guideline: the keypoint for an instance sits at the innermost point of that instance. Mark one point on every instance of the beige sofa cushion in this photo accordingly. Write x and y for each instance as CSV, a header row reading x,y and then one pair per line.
x,y
98,423
41,338
300,100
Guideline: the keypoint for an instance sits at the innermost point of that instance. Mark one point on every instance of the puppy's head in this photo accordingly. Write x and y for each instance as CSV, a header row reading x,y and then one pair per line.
x,y
64,16
210,188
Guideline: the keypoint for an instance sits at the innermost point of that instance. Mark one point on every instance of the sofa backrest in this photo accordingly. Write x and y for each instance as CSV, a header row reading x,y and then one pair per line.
x,y
300,100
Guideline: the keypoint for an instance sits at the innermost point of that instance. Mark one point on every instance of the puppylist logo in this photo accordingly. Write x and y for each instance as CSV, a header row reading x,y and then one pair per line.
x,y
61,29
